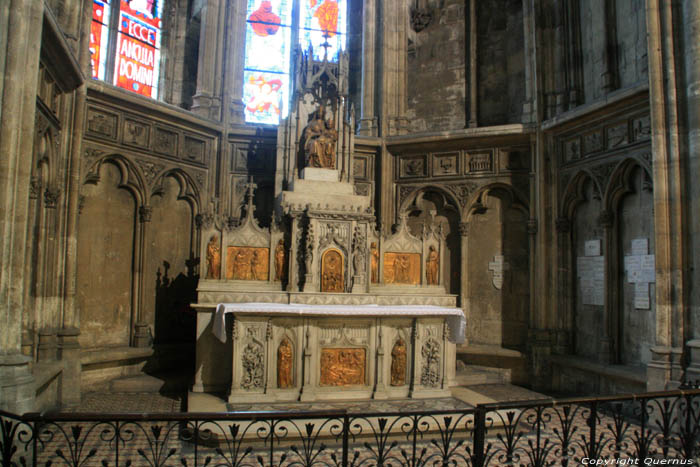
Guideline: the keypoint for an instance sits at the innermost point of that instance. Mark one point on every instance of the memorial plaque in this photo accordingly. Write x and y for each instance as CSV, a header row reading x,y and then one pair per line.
x,y
402,268
640,246
498,267
591,273
641,296
592,247
247,263
342,367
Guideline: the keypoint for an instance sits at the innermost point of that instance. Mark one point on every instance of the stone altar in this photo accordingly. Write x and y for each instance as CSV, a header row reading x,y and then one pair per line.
x,y
320,305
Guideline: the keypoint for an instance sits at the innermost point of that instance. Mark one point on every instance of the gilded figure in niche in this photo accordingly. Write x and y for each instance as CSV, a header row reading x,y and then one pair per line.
x,y
398,363
332,277
279,261
320,137
374,263
285,365
432,265
342,367
213,258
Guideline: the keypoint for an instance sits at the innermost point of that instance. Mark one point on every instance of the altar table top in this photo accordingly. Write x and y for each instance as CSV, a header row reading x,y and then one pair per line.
x,y
454,316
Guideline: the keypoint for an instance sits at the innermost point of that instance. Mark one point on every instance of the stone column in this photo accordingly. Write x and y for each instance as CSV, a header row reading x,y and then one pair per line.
x,y
368,119
69,354
394,21
207,98
142,335
235,60
473,75
21,39
607,352
464,272
691,32
664,369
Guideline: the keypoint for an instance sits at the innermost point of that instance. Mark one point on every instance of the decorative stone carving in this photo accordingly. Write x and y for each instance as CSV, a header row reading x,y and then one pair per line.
x,y
572,150
481,162
359,255
194,149
332,271
92,153
359,168
413,166
34,187
342,366
463,229
398,363
285,365
165,142
445,164
420,18
101,123
280,256
602,173
432,266
51,196
247,263
204,220
253,366
213,258
462,191
362,189
136,133
592,142
374,264
145,213
641,128
320,138
404,192
617,135
150,169
430,373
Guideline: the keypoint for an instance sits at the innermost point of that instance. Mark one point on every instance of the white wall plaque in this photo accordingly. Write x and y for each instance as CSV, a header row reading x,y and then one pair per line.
x,y
640,246
591,273
592,247
498,267
641,296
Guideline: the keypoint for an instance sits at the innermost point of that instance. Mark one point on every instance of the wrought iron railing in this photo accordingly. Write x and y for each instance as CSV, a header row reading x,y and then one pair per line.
x,y
624,430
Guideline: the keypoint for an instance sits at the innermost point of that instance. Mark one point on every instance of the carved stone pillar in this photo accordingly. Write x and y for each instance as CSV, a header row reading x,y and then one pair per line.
x,y
380,388
207,99
20,36
566,279
368,119
464,272
394,17
69,353
608,343
235,60
142,331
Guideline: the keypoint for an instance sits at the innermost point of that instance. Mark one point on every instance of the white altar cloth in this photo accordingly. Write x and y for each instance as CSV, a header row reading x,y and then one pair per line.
x,y
455,316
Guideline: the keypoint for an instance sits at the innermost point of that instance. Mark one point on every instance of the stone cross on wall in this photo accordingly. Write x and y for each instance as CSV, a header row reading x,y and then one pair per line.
x,y
498,267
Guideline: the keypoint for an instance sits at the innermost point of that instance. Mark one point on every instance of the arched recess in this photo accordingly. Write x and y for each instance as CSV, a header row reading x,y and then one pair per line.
x,y
581,285
633,311
434,205
170,276
498,268
107,228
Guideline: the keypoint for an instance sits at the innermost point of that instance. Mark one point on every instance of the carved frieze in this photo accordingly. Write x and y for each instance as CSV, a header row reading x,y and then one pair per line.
x,y
592,142
343,366
340,333
641,128
617,135
572,150
602,173
194,149
480,162
462,191
136,133
362,189
165,142
412,167
102,124
247,263
359,168
445,164
334,232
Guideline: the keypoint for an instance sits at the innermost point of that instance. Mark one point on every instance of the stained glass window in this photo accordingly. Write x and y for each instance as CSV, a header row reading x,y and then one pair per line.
x,y
132,39
269,31
266,75
323,27
99,33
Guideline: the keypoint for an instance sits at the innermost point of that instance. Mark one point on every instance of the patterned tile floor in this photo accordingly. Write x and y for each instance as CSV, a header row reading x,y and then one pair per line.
x,y
99,402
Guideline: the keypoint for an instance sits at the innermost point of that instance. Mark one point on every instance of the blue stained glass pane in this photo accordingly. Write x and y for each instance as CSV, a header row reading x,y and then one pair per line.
x,y
323,27
266,96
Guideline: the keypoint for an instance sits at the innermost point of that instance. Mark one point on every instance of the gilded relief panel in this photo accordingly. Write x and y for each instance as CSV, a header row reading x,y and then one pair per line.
x,y
402,268
342,367
332,268
247,263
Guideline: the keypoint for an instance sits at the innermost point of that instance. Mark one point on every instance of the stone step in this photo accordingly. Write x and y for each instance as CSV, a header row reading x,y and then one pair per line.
x,y
143,383
471,375
492,356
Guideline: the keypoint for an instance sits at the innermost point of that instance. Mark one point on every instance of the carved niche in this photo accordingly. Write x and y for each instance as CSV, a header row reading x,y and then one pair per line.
x,y
285,364
398,363
342,366
332,271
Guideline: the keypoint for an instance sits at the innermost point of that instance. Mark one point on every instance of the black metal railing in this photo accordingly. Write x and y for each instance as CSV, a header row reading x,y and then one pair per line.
x,y
624,430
